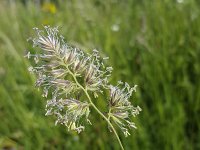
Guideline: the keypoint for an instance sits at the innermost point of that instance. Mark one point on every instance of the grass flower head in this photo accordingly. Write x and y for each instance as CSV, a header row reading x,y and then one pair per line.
x,y
68,76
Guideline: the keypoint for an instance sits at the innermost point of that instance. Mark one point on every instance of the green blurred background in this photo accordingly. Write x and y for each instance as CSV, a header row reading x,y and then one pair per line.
x,y
152,43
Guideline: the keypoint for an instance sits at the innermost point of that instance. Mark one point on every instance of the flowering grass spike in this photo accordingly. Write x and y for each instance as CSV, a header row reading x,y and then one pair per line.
x,y
68,76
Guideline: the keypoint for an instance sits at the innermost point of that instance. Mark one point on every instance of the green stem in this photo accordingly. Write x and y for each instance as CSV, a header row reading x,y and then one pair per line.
x,y
93,105
109,114
108,121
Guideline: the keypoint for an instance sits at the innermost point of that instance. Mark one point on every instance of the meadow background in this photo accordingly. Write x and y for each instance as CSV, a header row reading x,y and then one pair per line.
x,y
152,43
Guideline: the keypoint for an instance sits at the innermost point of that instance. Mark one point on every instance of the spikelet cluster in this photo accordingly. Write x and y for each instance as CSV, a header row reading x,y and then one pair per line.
x,y
120,108
64,72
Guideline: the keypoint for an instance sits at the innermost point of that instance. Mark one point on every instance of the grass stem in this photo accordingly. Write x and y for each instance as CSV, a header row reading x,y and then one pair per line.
x,y
94,106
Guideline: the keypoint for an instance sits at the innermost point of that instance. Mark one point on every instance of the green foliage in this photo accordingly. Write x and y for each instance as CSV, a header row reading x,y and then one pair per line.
x,y
154,44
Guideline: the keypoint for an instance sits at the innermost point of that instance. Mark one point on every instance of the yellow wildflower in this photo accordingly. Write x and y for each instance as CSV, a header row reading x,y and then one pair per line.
x,y
49,7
